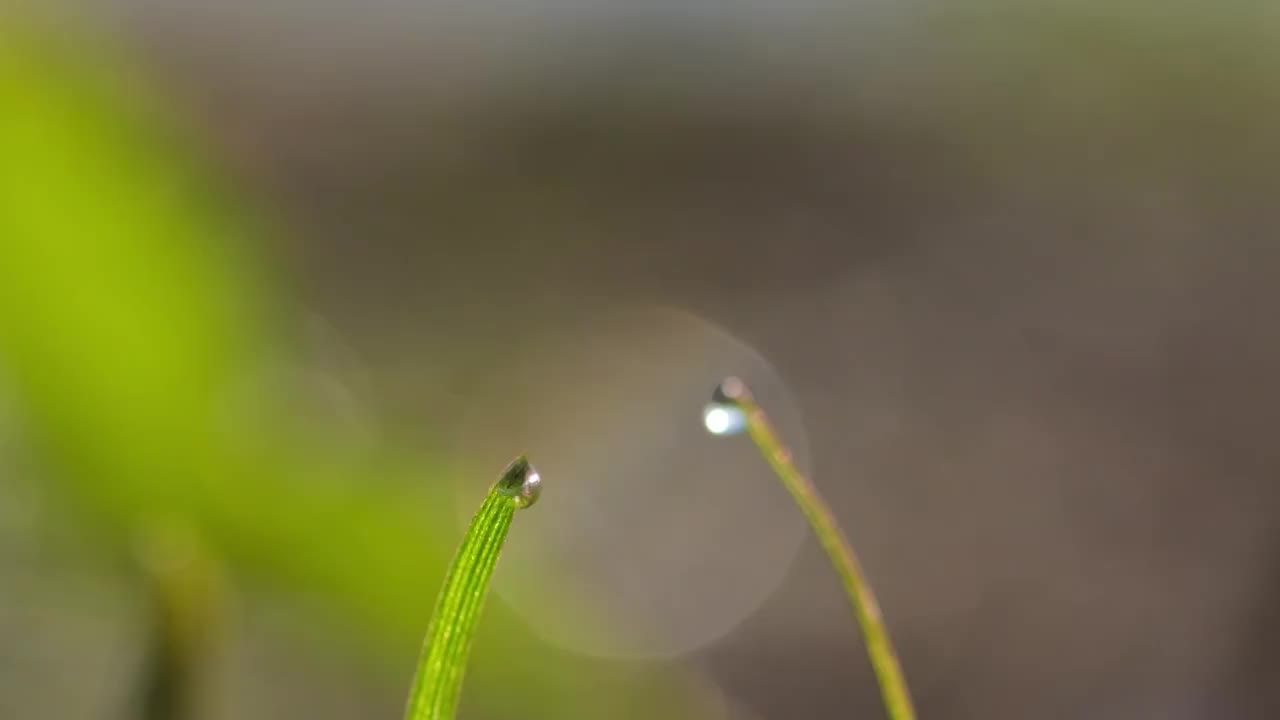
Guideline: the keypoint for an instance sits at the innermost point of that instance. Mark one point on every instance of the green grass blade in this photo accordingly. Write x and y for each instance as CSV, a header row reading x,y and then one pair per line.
x,y
185,586
884,659
438,683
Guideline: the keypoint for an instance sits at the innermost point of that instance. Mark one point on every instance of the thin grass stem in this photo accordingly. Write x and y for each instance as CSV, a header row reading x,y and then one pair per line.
x,y
884,659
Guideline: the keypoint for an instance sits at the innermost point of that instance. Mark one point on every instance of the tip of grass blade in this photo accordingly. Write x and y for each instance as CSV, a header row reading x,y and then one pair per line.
x,y
437,685
731,391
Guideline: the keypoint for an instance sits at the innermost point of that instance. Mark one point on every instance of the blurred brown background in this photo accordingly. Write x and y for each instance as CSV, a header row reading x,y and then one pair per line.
x,y
1013,268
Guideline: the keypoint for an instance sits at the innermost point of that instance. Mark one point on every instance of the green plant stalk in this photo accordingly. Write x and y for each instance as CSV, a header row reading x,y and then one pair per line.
x,y
437,685
884,659
185,585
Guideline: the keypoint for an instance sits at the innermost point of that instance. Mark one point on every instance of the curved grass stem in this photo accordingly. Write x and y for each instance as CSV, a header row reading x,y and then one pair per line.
x,y
884,659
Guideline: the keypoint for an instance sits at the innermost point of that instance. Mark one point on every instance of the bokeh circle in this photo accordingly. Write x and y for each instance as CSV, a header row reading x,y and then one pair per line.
x,y
653,537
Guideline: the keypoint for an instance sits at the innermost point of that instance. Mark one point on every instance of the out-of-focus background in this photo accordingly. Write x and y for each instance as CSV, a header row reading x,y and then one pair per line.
x,y
284,285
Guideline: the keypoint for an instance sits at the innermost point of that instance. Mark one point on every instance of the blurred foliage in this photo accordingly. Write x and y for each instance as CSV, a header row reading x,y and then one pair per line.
x,y
134,322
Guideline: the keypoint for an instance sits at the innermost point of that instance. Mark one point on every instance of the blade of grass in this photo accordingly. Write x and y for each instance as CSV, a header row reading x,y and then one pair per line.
x,y
884,660
184,583
438,683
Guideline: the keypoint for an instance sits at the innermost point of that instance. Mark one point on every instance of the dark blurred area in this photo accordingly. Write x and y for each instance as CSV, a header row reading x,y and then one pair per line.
x,y
284,285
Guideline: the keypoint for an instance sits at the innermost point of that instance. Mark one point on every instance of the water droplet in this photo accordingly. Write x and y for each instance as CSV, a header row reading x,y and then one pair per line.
x,y
730,391
724,415
724,419
521,482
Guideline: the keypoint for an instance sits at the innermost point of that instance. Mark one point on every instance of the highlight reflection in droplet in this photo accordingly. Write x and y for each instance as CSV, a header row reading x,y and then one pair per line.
x,y
723,419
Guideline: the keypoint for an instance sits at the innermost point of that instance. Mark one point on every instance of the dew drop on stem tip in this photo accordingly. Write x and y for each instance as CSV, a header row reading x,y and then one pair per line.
x,y
723,415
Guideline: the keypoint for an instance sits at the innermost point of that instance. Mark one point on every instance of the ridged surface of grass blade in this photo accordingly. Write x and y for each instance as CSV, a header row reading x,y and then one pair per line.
x,y
438,683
